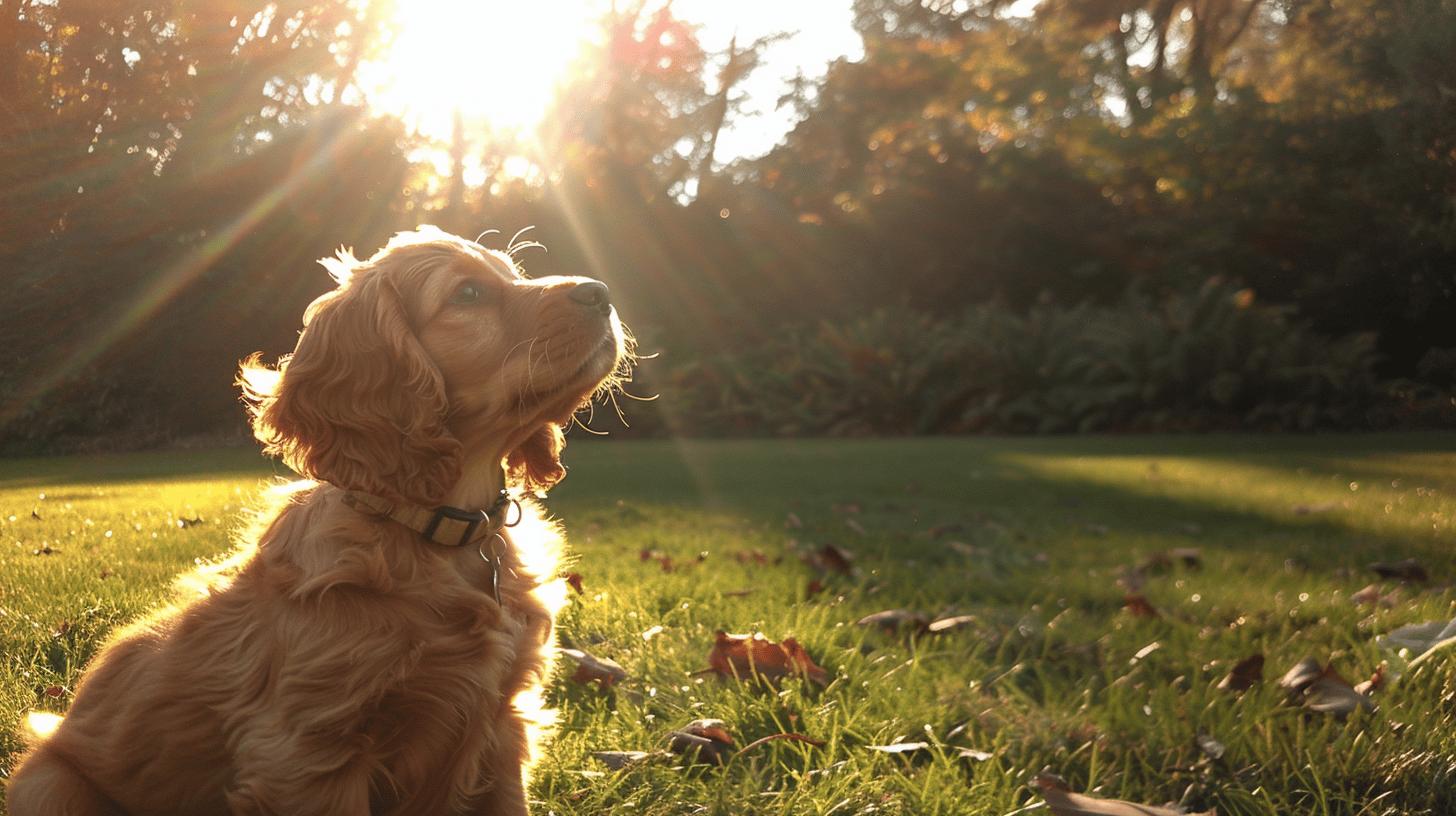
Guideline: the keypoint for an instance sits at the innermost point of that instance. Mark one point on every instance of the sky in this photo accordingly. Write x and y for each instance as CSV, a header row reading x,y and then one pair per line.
x,y
499,60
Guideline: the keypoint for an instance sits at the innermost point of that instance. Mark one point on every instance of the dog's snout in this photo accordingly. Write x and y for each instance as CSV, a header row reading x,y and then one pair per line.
x,y
592,294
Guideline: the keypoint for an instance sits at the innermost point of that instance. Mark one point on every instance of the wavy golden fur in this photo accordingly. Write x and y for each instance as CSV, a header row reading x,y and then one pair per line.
x,y
340,663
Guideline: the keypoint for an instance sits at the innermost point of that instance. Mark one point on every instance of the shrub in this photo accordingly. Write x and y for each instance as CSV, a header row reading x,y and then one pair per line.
x,y
1209,359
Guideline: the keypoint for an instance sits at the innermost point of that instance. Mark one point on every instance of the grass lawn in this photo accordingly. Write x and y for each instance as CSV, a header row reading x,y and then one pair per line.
x,y
1028,536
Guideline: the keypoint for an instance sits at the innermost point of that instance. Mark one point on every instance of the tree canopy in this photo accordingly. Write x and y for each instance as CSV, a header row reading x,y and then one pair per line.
x,y
168,171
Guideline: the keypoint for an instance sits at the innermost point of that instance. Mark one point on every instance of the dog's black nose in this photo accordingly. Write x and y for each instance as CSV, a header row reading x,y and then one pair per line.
x,y
592,294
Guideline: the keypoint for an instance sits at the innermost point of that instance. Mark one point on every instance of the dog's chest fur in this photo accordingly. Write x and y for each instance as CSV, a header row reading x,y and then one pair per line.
x,y
465,659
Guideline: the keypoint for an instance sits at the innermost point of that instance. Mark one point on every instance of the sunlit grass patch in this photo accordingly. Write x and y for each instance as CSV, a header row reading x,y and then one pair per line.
x,y
1028,537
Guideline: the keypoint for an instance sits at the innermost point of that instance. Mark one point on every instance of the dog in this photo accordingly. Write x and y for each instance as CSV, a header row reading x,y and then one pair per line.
x,y
381,643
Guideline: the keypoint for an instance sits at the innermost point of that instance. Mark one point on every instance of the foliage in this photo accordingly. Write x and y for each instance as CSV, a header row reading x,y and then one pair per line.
x,y
169,171
1205,360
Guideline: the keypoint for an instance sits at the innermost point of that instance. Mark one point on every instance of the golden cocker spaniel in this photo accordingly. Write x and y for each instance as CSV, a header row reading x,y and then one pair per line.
x,y
380,646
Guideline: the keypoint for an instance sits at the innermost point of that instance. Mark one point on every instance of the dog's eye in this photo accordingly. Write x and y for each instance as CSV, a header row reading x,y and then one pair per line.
x,y
467,294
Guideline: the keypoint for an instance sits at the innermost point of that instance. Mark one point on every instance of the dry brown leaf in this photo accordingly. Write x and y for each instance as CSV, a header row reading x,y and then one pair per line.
x,y
968,550
617,760
1372,596
831,558
746,655
705,741
1407,570
1138,606
663,560
573,580
893,620
1376,681
1189,557
592,669
815,587
1063,802
1323,689
900,747
943,530
1419,638
945,626
1132,580
1244,674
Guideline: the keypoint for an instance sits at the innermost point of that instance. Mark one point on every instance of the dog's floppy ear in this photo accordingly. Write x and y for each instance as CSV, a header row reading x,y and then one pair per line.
x,y
535,464
358,404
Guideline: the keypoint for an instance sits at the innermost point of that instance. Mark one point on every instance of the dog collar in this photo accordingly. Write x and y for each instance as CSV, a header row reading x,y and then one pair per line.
x,y
450,526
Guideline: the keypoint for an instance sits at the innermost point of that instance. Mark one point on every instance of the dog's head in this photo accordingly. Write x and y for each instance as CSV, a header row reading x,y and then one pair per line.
x,y
433,348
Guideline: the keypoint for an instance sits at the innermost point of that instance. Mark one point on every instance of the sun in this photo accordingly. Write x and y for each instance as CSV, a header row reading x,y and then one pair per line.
x,y
496,63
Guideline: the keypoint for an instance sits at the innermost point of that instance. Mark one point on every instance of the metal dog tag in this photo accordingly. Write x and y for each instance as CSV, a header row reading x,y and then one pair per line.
x,y
494,560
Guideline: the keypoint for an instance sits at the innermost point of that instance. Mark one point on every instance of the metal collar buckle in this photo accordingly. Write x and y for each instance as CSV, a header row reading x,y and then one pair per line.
x,y
472,518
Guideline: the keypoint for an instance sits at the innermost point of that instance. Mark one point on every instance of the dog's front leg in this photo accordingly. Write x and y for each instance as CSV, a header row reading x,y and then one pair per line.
x,y
276,792
505,767
283,772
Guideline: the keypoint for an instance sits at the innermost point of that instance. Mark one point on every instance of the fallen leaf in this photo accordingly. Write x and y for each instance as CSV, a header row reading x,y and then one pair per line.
x,y
945,626
1407,570
1190,557
1132,580
663,560
573,580
1372,596
54,691
592,669
892,620
1144,652
617,760
705,741
1138,607
965,549
1374,684
1063,802
900,747
1323,689
745,655
1244,674
831,558
1301,675
1418,638
815,587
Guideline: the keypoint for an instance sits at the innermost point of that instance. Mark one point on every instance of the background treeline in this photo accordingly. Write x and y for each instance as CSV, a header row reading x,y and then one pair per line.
x,y
1095,214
